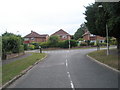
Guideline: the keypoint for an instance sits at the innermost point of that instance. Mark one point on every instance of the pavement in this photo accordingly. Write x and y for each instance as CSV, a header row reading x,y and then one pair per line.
x,y
68,69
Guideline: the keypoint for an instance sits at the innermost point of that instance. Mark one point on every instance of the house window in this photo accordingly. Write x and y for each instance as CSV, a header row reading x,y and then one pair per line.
x,y
32,38
26,39
64,36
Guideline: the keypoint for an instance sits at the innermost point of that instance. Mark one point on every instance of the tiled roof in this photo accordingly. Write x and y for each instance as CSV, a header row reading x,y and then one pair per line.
x,y
86,33
34,34
60,32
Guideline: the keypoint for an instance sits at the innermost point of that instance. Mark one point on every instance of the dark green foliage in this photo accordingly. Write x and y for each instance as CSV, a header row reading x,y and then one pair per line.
x,y
91,43
31,47
36,45
44,45
83,44
97,18
73,43
53,41
61,44
25,46
11,43
78,34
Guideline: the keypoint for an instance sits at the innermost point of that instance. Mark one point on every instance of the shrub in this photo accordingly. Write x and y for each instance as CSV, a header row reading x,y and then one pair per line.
x,y
73,43
31,47
60,44
25,46
44,45
36,45
103,44
91,43
83,44
53,41
21,49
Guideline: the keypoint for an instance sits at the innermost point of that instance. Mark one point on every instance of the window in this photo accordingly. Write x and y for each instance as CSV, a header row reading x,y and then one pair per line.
x,y
64,36
32,38
26,39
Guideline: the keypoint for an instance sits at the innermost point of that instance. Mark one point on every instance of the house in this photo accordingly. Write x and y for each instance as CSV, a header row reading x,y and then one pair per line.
x,y
35,37
88,36
62,34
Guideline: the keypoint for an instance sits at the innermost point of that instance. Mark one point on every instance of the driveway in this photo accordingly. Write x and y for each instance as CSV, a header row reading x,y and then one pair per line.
x,y
68,69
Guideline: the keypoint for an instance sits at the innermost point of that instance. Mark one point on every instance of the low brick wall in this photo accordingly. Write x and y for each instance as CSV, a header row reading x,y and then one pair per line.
x,y
9,56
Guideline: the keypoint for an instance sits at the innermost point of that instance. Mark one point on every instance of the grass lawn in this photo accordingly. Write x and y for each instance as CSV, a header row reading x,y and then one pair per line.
x,y
110,60
12,69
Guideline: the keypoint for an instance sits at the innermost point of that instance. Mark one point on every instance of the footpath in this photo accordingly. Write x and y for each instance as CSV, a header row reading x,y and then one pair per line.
x,y
16,58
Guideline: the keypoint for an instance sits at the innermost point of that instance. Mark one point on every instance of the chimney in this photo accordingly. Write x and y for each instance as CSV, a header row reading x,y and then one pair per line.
x,y
31,31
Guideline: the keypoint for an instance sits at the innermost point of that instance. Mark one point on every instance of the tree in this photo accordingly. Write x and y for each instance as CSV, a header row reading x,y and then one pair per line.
x,y
97,18
78,34
11,44
53,41
73,43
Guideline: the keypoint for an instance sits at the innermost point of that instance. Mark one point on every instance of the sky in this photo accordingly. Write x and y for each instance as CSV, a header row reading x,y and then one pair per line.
x,y
41,16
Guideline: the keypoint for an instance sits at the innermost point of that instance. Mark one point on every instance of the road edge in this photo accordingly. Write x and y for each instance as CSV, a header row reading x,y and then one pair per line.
x,y
93,59
21,74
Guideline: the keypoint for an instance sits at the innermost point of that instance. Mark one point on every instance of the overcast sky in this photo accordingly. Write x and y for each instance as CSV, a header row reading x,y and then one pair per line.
x,y
42,16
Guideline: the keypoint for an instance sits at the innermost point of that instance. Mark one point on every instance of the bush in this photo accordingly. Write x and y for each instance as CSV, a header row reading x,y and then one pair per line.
x,y
73,43
103,44
53,41
21,49
44,45
60,44
31,47
25,46
83,44
91,43
36,45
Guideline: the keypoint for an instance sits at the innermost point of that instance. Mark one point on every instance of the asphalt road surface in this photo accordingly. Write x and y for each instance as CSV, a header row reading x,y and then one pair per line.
x,y
68,69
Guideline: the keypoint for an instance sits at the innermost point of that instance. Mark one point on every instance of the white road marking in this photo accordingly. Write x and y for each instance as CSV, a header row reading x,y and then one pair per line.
x,y
66,63
68,73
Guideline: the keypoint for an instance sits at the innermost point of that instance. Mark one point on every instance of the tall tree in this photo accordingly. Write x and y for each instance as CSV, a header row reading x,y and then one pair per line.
x,y
80,31
53,41
97,18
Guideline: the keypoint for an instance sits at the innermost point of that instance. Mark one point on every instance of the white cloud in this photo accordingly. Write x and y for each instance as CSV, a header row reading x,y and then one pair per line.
x,y
42,16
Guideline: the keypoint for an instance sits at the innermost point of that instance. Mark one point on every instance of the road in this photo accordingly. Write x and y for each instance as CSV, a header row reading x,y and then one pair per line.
x,y
68,69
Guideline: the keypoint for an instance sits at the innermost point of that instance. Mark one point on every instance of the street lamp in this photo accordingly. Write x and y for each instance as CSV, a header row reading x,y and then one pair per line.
x,y
100,6
69,43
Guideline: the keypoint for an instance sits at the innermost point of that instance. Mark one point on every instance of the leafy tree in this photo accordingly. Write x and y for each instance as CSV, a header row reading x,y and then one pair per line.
x,y
53,41
78,34
11,43
97,18
73,43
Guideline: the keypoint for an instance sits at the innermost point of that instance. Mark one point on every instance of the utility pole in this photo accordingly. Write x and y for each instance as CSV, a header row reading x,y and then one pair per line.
x,y
107,39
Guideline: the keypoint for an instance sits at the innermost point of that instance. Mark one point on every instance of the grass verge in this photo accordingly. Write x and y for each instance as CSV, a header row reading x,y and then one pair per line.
x,y
111,60
10,70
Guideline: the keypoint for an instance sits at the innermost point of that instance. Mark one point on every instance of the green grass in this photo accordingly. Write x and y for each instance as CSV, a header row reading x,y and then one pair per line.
x,y
10,70
110,60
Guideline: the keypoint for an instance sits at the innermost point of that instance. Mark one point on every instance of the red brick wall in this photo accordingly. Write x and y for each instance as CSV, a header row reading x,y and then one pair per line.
x,y
100,38
86,37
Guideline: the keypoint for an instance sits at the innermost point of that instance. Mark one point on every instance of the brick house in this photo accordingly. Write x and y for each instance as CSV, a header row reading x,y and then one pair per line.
x,y
35,37
88,36
62,34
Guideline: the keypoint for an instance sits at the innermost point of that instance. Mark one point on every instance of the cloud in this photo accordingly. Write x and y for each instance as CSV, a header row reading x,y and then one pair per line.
x,y
44,16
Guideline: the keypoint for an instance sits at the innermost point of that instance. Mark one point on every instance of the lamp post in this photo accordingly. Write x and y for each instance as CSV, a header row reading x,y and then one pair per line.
x,y
100,6
69,43
107,39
